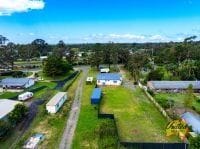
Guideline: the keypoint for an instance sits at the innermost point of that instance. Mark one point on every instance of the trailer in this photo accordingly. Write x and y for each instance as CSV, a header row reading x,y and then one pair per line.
x,y
25,96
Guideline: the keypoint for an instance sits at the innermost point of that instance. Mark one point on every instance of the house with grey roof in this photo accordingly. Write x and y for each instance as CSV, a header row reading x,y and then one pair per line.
x,y
16,83
173,86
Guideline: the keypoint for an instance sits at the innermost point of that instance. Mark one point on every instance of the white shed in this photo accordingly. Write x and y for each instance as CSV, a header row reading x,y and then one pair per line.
x,y
56,102
25,96
104,70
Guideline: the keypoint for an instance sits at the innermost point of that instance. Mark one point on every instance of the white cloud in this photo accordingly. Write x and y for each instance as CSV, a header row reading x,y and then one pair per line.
x,y
125,38
8,7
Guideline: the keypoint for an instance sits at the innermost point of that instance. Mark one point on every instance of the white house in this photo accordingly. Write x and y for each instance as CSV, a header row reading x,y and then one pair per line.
x,y
104,70
25,96
7,106
109,79
17,83
56,102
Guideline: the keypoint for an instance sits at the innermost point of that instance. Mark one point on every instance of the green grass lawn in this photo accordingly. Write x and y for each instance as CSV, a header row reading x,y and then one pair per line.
x,y
136,117
178,98
88,131
8,95
57,78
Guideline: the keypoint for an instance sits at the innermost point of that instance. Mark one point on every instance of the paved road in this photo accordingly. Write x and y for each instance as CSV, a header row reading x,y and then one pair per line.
x,y
68,134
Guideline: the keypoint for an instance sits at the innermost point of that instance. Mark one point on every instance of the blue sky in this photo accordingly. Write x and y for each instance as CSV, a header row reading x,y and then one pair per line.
x,y
86,21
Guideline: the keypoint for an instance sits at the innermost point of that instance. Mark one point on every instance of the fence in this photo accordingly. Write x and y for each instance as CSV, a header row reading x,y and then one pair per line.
x,y
164,113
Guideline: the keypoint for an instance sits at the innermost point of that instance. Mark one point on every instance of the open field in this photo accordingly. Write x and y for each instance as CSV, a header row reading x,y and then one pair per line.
x,y
136,117
178,98
92,132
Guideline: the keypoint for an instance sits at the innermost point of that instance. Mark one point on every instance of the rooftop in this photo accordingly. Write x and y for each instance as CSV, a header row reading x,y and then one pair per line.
x,y
14,81
109,76
192,120
6,106
174,84
56,98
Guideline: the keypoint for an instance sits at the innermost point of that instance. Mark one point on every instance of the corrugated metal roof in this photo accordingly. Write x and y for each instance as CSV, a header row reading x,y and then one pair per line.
x,y
192,120
6,106
14,81
56,98
96,94
175,84
109,76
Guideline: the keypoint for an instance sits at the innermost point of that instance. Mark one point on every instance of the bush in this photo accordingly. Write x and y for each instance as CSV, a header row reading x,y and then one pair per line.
x,y
166,104
17,114
18,74
150,92
4,128
195,142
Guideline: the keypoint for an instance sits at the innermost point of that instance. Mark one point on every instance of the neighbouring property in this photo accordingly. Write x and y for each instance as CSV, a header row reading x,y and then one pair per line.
x,y
16,83
56,102
192,120
33,142
25,96
7,106
96,96
107,79
173,86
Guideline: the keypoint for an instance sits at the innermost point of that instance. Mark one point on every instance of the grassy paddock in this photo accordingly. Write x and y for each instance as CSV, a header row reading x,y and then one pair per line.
x,y
136,117
92,132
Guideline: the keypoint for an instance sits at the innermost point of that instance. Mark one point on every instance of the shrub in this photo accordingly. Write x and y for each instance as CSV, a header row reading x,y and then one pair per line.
x,y
17,114
195,142
4,128
150,92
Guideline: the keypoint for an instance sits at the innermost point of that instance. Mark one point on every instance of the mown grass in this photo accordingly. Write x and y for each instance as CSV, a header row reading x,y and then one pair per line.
x,y
89,129
136,117
178,98
8,95
57,78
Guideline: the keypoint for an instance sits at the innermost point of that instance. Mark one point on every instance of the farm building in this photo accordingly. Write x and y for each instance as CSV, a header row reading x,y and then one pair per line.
x,y
6,106
96,96
109,79
17,83
173,86
192,120
56,102
25,96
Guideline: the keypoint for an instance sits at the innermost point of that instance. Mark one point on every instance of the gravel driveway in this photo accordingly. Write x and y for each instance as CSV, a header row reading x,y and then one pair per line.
x,y
68,133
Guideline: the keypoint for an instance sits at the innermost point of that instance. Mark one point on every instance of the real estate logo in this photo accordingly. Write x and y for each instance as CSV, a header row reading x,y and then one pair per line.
x,y
177,127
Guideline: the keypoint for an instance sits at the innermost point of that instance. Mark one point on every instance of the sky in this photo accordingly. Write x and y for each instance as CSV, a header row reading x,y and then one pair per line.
x,y
92,21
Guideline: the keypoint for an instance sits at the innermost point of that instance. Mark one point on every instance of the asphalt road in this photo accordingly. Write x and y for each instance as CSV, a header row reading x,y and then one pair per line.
x,y
70,127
